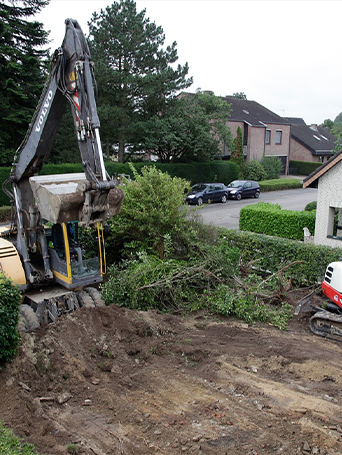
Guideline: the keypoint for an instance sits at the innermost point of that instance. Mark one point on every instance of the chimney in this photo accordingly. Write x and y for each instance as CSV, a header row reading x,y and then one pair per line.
x,y
314,126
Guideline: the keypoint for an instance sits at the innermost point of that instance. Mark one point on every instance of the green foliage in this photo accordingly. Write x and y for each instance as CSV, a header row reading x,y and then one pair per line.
x,y
153,208
150,282
21,70
5,214
237,152
191,127
311,206
271,253
245,305
270,219
303,167
280,184
9,317
136,74
11,444
253,170
273,166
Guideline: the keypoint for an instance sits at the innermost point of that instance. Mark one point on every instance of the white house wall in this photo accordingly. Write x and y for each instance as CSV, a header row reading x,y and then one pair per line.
x,y
329,196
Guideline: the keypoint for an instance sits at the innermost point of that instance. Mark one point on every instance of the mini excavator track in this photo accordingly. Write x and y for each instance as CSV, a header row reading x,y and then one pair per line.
x,y
327,324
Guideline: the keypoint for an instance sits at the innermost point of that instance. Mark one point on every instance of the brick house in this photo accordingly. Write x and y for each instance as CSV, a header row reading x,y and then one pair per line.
x,y
310,142
264,132
327,178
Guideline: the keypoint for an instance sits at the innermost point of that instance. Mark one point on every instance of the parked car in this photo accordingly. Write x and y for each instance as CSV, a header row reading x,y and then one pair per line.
x,y
207,192
239,189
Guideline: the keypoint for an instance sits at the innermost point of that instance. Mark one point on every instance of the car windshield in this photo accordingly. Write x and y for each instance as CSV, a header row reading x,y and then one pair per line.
x,y
236,184
199,187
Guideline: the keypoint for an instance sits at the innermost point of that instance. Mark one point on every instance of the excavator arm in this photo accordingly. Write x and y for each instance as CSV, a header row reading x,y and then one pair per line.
x,y
90,197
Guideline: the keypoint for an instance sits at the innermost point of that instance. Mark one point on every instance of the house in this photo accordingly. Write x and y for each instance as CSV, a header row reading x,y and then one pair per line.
x,y
310,142
264,132
327,178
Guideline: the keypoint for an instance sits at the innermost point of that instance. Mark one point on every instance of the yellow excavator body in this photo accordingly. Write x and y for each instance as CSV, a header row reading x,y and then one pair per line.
x,y
10,263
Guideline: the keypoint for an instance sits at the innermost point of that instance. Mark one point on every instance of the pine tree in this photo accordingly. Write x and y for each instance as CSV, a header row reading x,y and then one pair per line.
x,y
134,72
21,70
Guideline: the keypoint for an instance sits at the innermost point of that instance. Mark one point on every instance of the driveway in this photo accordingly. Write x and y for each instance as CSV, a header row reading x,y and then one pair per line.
x,y
227,215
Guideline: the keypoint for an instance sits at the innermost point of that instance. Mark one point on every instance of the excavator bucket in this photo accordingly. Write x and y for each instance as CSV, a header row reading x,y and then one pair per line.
x,y
61,198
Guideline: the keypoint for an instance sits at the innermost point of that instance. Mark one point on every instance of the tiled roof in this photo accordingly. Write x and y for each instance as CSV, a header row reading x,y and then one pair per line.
x,y
312,179
295,120
317,139
252,113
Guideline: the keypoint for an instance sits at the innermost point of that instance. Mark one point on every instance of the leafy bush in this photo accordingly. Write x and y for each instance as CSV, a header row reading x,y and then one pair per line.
x,y
273,166
311,206
9,317
5,213
270,219
152,214
254,170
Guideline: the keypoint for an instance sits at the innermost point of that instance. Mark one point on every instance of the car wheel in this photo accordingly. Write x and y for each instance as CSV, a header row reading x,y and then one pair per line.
x,y
238,197
199,201
257,194
224,199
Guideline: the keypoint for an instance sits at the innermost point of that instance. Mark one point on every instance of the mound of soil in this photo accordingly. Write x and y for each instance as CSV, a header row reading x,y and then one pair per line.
x,y
116,381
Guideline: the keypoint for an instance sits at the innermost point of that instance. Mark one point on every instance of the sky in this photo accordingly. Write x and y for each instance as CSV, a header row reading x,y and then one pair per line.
x,y
285,55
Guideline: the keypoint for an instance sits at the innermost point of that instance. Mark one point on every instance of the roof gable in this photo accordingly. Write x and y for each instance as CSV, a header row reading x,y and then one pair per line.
x,y
312,179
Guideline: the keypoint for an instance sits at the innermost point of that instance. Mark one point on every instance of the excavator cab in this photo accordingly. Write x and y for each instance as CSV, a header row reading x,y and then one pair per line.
x,y
71,264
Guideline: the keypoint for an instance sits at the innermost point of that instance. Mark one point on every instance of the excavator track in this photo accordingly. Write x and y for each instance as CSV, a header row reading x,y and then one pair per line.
x,y
48,310
327,324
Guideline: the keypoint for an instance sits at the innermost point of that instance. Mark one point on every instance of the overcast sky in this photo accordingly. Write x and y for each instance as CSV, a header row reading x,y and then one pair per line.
x,y
286,55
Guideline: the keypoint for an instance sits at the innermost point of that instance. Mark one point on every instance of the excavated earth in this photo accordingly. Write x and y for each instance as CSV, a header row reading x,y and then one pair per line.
x,y
116,381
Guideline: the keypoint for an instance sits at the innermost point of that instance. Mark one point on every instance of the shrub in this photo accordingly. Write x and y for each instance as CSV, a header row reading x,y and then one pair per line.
x,y
303,167
273,166
5,213
253,170
9,317
270,219
311,206
152,214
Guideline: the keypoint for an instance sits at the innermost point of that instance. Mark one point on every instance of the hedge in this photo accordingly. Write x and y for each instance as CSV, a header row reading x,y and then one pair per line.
x,y
215,171
280,184
270,254
9,316
271,219
303,167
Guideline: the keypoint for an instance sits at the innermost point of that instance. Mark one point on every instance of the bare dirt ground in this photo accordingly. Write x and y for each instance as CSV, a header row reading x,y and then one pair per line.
x,y
115,381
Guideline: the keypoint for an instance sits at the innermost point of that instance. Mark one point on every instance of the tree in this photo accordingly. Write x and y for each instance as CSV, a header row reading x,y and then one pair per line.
x,y
135,73
191,127
21,69
240,95
237,151
328,123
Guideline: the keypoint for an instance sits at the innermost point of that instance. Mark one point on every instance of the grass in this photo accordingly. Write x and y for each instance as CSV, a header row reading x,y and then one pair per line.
x,y
11,444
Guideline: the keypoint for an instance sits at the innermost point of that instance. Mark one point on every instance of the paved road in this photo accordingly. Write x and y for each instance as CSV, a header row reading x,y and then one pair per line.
x,y
227,215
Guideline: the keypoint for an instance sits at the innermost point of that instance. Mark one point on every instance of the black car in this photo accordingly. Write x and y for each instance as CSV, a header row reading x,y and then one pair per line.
x,y
239,189
207,192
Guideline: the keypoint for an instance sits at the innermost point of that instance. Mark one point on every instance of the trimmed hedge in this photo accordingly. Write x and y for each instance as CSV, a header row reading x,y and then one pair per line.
x,y
215,171
271,219
280,184
303,167
272,253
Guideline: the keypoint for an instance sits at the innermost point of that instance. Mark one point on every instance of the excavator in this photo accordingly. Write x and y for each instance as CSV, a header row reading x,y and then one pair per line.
x,y
42,249
327,320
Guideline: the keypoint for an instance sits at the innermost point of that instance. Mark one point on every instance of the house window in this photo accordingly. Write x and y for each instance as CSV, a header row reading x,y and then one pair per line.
x,y
279,135
334,228
268,137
